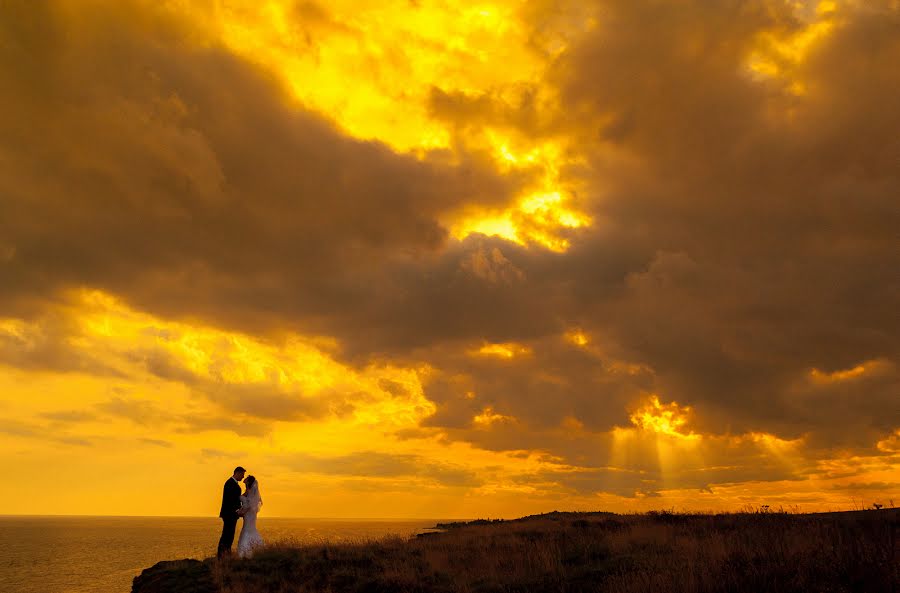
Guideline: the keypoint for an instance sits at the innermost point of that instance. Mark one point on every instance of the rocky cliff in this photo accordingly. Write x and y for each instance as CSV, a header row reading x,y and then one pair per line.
x,y
176,576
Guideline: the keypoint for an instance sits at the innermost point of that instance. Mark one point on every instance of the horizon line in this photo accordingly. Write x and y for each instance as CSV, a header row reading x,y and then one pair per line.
x,y
81,515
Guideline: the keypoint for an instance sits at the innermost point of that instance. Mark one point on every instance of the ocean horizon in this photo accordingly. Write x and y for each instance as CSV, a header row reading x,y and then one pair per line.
x,y
56,516
103,553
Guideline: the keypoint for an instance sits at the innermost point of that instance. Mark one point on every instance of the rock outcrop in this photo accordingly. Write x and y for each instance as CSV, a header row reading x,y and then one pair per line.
x,y
176,576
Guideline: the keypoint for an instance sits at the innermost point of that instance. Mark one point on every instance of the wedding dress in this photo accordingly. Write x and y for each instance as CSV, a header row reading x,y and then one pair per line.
x,y
250,538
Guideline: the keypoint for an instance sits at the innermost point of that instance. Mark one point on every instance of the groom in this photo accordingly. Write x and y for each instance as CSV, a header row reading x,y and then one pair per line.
x,y
231,503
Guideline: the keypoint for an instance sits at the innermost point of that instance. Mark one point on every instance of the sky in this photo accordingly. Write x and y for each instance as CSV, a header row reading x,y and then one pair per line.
x,y
449,259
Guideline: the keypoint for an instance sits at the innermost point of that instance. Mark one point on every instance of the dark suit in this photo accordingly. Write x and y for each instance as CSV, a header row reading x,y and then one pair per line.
x,y
231,502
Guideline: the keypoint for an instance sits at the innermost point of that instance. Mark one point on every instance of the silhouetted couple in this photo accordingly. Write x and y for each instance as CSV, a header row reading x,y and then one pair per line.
x,y
237,505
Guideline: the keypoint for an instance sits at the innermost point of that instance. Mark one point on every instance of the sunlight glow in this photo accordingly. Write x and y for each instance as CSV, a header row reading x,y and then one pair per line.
x,y
504,350
778,53
668,419
536,218
818,376
450,46
493,226
313,48
577,337
779,448
488,416
295,367
891,444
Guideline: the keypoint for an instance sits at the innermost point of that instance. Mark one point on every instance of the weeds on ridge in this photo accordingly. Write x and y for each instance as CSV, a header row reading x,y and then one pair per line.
x,y
758,550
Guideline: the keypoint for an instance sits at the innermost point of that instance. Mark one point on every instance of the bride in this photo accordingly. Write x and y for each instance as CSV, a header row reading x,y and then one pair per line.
x,y
251,502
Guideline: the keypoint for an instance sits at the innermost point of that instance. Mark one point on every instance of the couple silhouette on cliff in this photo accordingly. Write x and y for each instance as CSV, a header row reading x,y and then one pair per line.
x,y
237,505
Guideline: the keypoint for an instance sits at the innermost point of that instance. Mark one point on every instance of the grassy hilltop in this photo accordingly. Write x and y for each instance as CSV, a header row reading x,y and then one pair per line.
x,y
580,552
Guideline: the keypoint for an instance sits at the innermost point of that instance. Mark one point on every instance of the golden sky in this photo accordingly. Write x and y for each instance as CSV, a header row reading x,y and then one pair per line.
x,y
434,258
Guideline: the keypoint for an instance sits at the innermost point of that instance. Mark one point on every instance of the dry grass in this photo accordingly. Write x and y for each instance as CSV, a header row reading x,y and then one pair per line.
x,y
575,552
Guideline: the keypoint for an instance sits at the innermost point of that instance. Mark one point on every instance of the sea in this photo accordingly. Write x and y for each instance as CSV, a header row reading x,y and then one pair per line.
x,y
104,554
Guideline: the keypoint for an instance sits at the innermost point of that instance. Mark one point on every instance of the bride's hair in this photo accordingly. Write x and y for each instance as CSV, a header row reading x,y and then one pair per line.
x,y
253,493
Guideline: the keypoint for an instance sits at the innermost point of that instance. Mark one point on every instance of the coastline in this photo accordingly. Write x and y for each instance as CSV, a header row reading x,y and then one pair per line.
x,y
574,551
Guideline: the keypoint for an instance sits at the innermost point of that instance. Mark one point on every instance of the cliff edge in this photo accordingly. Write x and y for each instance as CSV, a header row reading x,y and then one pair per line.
x,y
575,553
176,576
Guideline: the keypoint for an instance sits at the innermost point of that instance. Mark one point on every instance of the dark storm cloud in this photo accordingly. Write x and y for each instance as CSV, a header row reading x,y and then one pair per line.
x,y
518,108
745,235
587,481
768,219
179,177
472,290
374,464
554,380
